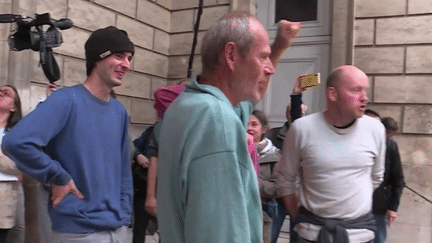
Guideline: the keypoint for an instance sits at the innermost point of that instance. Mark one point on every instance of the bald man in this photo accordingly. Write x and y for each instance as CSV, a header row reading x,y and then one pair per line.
x,y
339,156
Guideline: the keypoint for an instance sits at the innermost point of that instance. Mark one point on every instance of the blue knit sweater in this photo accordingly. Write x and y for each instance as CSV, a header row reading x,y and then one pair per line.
x,y
74,135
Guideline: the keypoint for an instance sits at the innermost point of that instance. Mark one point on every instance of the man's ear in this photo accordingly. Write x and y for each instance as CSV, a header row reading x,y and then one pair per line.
x,y
332,93
229,55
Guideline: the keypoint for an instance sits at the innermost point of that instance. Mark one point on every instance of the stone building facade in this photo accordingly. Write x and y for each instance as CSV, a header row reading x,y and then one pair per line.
x,y
393,45
389,39
161,30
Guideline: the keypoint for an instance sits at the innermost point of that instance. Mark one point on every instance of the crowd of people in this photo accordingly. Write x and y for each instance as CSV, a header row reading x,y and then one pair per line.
x,y
210,169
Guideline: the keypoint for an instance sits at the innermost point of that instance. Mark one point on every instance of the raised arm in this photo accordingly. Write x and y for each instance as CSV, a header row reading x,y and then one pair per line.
x,y
286,32
296,99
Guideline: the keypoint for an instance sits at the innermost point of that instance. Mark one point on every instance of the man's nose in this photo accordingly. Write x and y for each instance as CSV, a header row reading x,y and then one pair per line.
x,y
364,97
126,64
269,68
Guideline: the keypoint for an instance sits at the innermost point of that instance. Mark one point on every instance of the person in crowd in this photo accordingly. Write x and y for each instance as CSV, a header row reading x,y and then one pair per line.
x,y
145,165
144,150
373,114
207,186
293,111
338,155
268,156
11,193
77,142
387,196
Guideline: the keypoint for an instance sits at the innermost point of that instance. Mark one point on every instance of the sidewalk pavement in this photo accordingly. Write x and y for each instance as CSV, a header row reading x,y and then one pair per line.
x,y
283,238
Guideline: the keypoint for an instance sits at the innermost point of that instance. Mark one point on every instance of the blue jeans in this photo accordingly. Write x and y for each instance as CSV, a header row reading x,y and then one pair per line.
x,y
278,214
381,233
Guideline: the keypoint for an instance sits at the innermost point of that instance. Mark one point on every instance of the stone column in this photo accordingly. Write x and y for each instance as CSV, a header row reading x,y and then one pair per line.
x,y
20,68
393,46
342,33
244,5
5,7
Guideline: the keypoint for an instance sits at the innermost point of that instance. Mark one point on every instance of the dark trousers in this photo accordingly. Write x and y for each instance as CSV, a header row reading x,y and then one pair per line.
x,y
3,235
141,221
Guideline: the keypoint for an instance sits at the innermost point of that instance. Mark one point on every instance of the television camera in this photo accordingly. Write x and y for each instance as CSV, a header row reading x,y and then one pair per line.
x,y
31,34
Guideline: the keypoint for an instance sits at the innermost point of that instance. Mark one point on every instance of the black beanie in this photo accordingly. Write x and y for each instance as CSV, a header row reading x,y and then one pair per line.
x,y
105,42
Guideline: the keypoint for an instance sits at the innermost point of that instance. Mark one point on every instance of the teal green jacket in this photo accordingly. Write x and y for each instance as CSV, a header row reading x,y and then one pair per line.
x,y
207,186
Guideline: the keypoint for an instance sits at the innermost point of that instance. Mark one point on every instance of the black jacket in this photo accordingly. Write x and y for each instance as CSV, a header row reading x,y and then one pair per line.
x,y
387,195
146,145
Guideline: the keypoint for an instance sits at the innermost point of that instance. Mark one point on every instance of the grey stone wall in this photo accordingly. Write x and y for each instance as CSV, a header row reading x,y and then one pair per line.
x,y
148,25
393,45
183,18
162,31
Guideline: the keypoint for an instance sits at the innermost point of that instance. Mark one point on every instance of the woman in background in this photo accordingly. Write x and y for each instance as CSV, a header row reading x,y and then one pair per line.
x,y
11,193
274,213
269,155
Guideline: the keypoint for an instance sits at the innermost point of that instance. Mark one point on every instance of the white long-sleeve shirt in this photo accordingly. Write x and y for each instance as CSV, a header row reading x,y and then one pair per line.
x,y
338,168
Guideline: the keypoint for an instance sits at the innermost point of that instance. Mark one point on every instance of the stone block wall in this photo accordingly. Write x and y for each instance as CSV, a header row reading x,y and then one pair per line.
x,y
162,31
148,26
393,45
183,18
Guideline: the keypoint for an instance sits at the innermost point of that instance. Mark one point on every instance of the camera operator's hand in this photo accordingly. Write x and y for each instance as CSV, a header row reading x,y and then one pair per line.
x,y
297,86
51,87
58,193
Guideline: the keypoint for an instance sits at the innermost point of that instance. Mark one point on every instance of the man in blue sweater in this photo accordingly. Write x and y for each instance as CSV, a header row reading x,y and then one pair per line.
x,y
77,142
